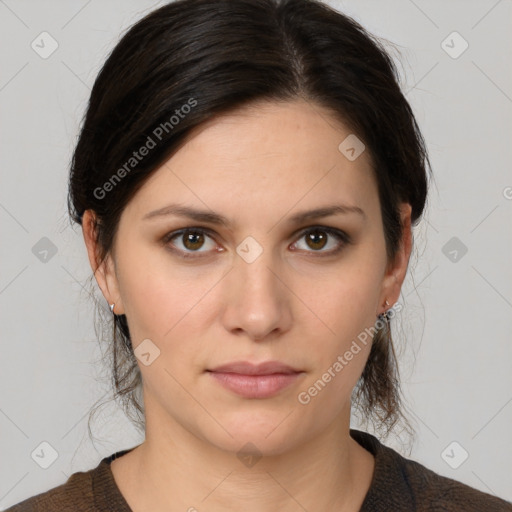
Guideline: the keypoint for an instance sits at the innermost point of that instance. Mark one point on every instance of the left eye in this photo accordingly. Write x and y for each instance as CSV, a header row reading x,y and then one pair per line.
x,y
316,238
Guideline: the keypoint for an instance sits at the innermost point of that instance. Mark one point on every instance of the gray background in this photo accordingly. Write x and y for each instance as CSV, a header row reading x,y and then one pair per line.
x,y
455,329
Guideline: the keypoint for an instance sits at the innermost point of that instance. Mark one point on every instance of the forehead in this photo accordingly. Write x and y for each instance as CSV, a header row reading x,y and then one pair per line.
x,y
275,157
294,129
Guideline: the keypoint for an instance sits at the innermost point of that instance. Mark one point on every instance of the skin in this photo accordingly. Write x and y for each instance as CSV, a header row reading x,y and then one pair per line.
x,y
295,303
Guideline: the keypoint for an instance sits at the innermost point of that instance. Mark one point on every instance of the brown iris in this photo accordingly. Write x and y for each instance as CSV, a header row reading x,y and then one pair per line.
x,y
193,240
318,239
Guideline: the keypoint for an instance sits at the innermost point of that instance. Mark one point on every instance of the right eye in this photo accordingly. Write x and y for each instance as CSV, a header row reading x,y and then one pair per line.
x,y
190,240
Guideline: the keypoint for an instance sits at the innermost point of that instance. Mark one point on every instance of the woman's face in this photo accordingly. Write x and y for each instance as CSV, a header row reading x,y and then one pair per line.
x,y
258,287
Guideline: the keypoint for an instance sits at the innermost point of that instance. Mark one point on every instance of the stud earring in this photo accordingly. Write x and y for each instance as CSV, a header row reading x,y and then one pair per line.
x,y
384,316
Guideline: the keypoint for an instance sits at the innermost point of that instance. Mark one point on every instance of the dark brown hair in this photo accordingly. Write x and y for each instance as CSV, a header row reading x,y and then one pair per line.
x,y
215,56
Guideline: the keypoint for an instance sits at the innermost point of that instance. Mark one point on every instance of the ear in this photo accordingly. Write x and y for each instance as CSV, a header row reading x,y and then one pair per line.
x,y
397,269
104,271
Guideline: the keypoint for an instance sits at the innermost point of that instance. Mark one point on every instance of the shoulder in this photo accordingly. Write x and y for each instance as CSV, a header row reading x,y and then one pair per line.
x,y
73,495
432,491
401,484
84,491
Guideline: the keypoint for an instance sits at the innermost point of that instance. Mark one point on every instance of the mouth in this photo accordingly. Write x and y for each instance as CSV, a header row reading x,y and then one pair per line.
x,y
249,380
248,368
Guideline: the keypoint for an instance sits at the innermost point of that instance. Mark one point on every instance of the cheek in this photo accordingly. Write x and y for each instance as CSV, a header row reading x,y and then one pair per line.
x,y
344,311
343,348
162,300
346,304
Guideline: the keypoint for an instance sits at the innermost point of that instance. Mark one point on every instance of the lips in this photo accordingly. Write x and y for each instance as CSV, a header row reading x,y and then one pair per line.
x,y
247,368
248,380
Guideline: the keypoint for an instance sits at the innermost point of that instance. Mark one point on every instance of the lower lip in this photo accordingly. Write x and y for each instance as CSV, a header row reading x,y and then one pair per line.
x,y
255,386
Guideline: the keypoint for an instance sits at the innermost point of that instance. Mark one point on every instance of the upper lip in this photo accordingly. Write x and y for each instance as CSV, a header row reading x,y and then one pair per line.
x,y
247,368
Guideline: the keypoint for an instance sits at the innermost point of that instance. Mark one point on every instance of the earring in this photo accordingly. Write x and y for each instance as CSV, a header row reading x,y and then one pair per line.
x,y
112,307
384,316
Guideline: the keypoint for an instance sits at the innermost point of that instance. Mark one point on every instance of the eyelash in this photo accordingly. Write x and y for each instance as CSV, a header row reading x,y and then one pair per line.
x,y
343,237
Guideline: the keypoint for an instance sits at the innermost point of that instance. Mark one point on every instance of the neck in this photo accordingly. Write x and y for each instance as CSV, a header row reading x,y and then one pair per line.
x,y
176,470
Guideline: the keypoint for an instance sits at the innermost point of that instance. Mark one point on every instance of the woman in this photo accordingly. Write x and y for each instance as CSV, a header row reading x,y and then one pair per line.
x,y
247,178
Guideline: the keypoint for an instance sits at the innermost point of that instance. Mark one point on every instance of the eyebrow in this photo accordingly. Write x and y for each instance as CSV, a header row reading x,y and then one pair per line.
x,y
216,218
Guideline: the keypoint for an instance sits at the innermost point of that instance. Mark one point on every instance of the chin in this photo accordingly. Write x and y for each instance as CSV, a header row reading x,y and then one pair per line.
x,y
270,433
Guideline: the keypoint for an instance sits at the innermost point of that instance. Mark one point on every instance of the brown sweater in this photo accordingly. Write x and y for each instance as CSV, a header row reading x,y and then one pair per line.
x,y
398,485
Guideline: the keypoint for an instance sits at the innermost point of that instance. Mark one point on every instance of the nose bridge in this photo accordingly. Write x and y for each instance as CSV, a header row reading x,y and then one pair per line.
x,y
256,303
254,270
255,278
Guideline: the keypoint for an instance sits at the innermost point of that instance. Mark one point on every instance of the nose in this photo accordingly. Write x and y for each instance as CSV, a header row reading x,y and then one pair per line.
x,y
257,300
